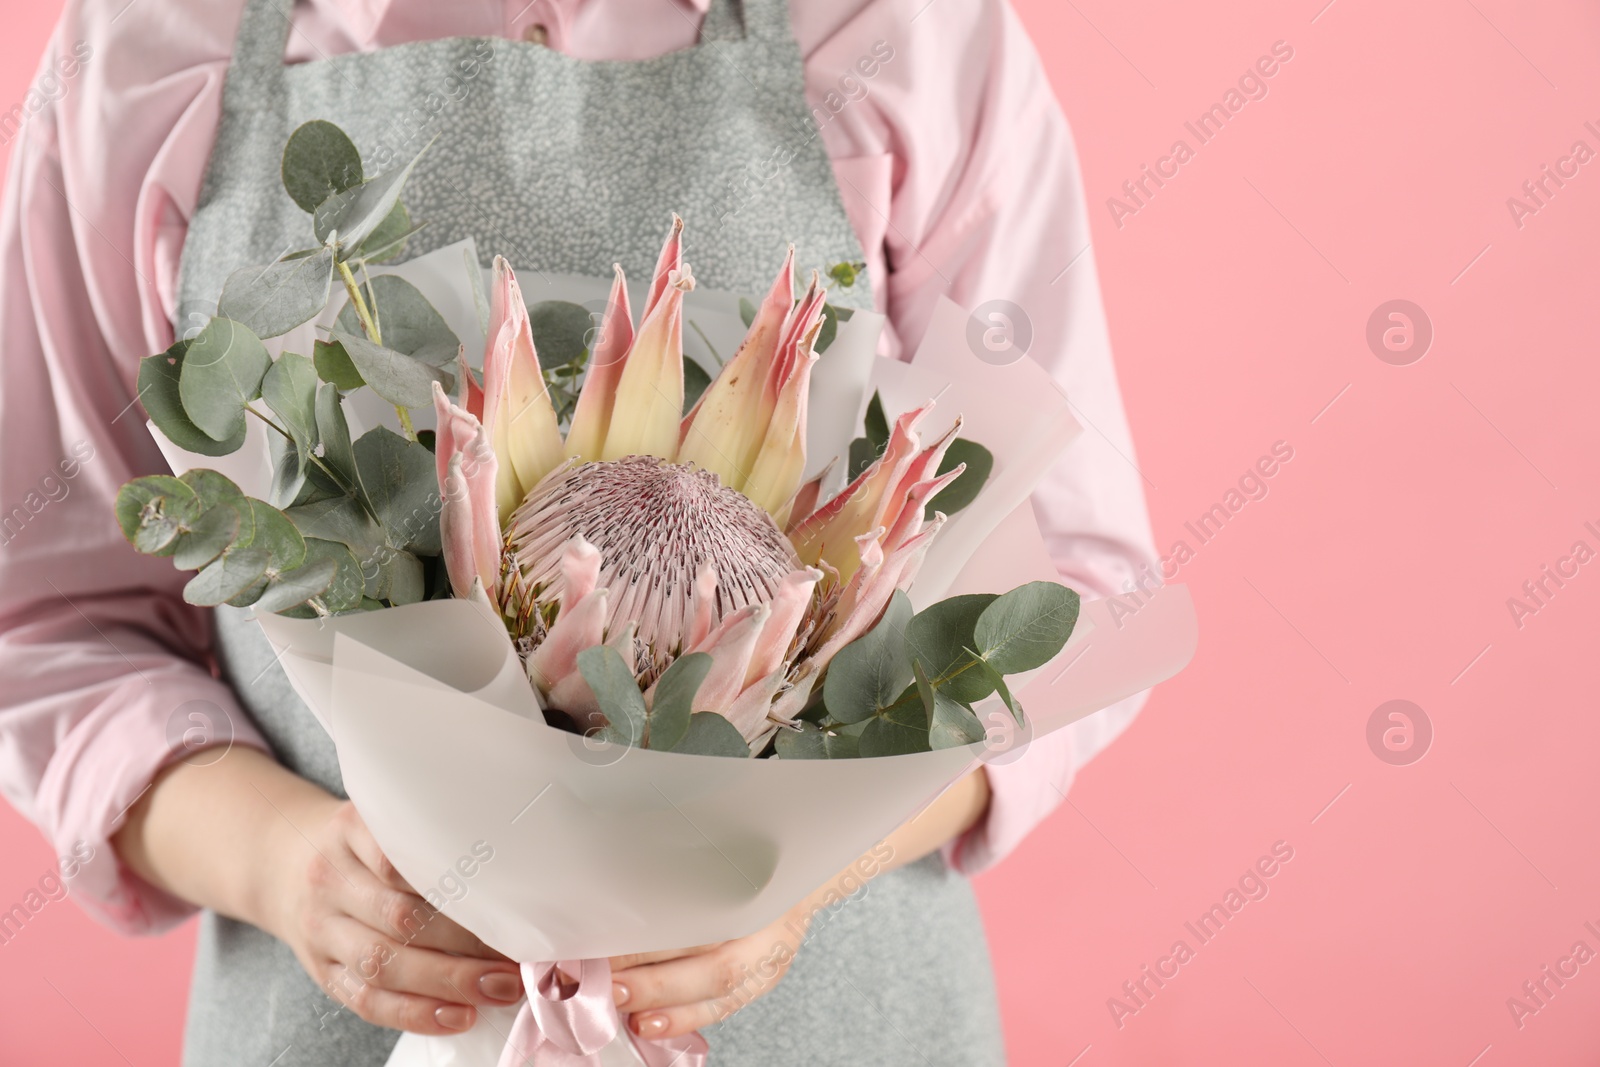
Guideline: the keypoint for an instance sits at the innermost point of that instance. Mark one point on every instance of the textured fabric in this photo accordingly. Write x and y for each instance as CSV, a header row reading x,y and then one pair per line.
x,y
958,174
246,989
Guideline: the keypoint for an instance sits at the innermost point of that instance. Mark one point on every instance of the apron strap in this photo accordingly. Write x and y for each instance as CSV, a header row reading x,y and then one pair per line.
x,y
737,20
258,50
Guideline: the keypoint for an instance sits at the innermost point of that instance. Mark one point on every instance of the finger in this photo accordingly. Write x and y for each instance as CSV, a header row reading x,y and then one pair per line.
x,y
397,1011
381,961
639,959
685,1019
406,917
685,981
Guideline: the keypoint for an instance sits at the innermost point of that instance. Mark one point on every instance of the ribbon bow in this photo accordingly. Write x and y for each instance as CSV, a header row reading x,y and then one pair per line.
x,y
568,1028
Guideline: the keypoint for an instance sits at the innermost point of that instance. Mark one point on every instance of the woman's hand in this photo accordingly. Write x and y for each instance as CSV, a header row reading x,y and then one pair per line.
x,y
248,838
673,993
370,941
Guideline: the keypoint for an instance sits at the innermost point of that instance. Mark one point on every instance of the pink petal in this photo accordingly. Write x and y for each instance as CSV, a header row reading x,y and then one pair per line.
x,y
671,259
573,696
592,417
580,570
455,530
731,646
702,606
749,710
868,606
471,391
557,655
911,514
789,607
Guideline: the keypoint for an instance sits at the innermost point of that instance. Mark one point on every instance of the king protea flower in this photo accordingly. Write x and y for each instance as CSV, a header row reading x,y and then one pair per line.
x,y
662,534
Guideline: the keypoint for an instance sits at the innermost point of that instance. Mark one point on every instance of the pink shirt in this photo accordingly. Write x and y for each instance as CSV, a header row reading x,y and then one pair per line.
x,y
959,176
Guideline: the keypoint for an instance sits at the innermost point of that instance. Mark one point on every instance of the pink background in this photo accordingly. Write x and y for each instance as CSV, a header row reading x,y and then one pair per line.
x,y
1419,897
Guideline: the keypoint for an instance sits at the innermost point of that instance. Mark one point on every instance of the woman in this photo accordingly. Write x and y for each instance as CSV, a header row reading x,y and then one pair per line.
x,y
920,139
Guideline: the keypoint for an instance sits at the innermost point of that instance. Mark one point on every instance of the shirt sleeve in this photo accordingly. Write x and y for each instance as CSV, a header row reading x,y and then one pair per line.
x,y
979,198
106,669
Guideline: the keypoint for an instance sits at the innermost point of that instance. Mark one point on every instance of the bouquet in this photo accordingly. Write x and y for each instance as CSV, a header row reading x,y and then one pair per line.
x,y
600,547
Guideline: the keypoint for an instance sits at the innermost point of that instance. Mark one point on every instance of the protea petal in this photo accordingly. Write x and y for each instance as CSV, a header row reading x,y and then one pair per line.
x,y
649,401
781,462
805,498
670,259
455,530
864,609
722,433
586,438
518,414
731,646
909,523
830,533
574,696
471,392
788,611
580,571
575,630
750,709
702,606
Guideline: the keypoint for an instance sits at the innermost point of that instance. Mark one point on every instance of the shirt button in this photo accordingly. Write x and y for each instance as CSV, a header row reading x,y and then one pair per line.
x,y
536,33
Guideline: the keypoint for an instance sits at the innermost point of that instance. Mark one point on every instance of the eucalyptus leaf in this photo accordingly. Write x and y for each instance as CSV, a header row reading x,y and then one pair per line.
x,y
154,511
334,432
617,693
227,577
334,366
877,424
356,212
965,489
673,702
388,241
901,729
222,372
939,636
814,742
872,671
695,382
401,380
954,724
408,322
274,299
290,390
1002,690
400,578
159,391
710,734
297,586
318,162
344,520
830,329
401,480
863,454
1026,627
344,592
275,535
288,471
207,538
214,489
560,331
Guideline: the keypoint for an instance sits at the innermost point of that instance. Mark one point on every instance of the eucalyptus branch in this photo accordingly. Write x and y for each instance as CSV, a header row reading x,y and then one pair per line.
x,y
333,475
370,325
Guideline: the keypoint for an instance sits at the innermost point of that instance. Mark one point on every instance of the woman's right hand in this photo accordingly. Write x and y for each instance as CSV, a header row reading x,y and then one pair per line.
x,y
370,941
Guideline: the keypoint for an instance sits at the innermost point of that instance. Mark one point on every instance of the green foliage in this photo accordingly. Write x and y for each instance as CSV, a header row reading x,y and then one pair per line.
x,y
222,372
318,162
274,299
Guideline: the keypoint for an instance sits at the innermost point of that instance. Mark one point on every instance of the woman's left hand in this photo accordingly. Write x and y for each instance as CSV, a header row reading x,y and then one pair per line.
x,y
674,993
670,994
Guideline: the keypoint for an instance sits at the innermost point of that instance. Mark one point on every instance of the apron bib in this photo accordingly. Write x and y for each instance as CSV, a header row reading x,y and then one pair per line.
x,y
567,166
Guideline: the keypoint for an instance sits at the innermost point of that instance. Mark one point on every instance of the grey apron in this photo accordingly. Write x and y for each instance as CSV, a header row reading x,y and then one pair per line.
x,y
568,166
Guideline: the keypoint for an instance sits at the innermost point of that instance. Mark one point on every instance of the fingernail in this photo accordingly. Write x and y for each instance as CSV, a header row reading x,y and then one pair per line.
x,y
453,1017
649,1025
619,993
501,986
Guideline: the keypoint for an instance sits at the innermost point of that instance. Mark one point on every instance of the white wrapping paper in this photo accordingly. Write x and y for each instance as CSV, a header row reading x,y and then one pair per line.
x,y
599,850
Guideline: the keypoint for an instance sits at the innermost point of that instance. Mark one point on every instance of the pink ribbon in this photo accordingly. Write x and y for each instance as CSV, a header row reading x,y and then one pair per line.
x,y
557,1029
